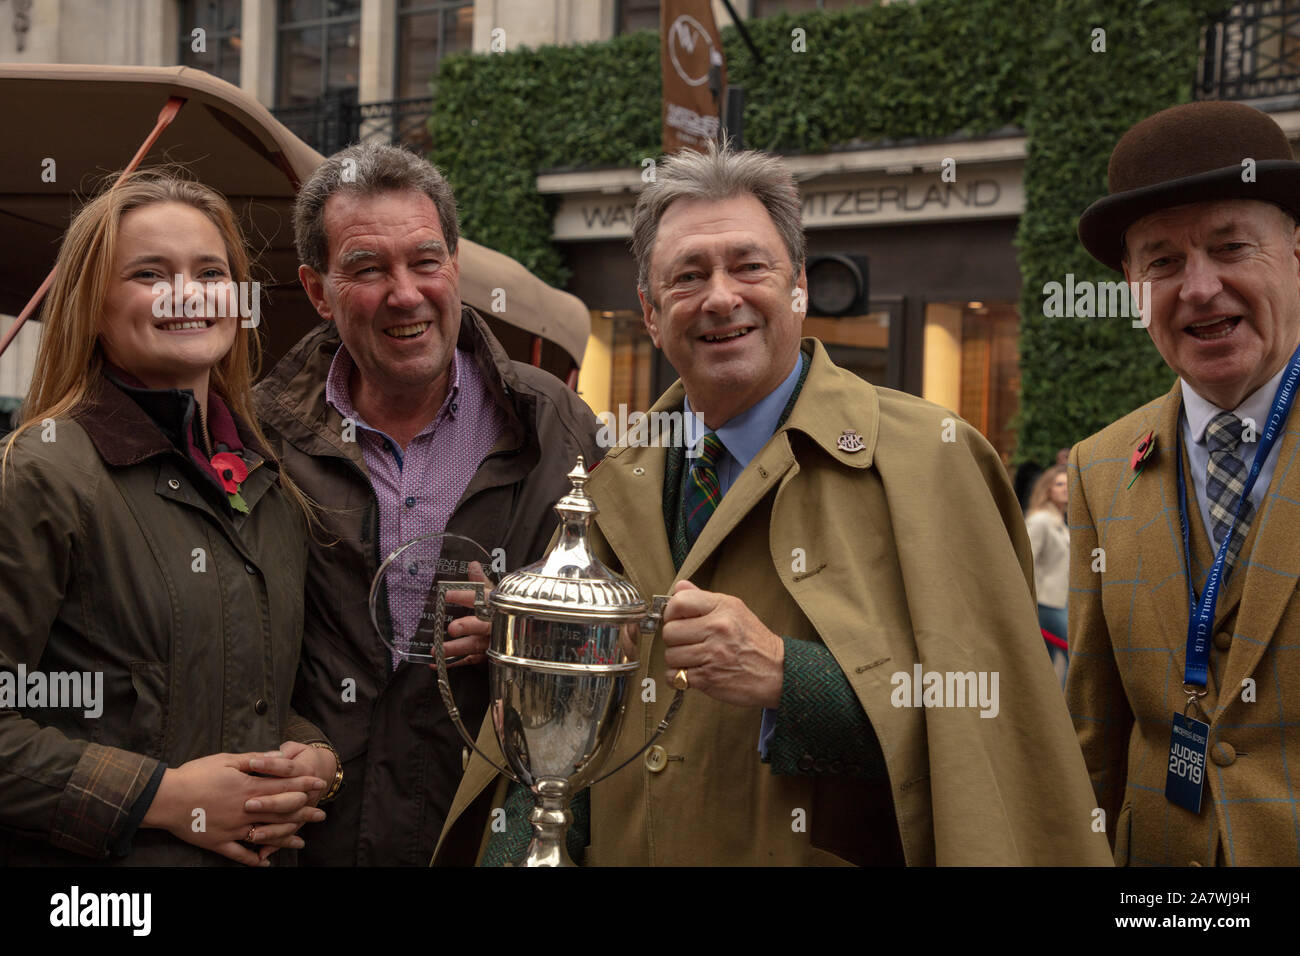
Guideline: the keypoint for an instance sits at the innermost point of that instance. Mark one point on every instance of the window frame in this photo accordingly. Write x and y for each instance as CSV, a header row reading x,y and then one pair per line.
x,y
213,35
299,26
424,6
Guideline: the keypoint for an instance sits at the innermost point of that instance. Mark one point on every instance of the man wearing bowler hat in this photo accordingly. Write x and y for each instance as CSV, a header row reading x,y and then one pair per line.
x,y
1185,514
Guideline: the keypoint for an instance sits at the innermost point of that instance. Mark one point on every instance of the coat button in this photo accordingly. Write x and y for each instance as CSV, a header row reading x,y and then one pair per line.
x,y
1194,863
656,758
805,764
249,568
819,766
1223,640
260,707
837,766
1223,753
173,484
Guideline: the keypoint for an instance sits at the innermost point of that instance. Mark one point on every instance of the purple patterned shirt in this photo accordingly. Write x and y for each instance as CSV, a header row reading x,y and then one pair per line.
x,y
418,487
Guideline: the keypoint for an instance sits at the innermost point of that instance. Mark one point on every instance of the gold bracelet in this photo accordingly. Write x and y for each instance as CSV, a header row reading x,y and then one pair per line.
x,y
338,772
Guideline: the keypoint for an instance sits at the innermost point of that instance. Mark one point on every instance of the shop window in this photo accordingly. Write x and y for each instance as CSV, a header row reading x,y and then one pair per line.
x,y
857,343
633,15
319,50
766,8
972,365
632,354
219,44
427,32
990,373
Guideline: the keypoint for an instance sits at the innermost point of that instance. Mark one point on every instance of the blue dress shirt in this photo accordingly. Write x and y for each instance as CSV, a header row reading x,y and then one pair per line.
x,y
742,438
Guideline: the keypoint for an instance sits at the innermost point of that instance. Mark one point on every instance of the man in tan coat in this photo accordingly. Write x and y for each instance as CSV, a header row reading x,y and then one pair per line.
x,y
851,612
1202,207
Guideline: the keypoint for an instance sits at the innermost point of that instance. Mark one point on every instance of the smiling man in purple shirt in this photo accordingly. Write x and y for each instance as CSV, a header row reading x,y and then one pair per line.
x,y
401,415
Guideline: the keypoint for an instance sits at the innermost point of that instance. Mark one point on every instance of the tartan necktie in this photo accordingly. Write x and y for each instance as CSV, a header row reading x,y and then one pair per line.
x,y
1225,478
703,489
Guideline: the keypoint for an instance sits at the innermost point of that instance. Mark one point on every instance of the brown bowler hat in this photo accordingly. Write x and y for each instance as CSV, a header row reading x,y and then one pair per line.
x,y
1189,153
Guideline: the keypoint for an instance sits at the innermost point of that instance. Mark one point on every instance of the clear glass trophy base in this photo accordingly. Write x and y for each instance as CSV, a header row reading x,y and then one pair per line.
x,y
403,593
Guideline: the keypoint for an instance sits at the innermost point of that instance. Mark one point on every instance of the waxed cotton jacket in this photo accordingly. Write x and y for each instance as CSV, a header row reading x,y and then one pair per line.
x,y
402,756
119,558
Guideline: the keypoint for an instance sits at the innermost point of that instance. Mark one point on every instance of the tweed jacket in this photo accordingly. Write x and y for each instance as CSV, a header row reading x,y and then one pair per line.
x,y
1128,633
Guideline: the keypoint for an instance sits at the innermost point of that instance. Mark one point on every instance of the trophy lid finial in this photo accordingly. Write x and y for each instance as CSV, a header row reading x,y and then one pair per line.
x,y
570,581
577,504
579,475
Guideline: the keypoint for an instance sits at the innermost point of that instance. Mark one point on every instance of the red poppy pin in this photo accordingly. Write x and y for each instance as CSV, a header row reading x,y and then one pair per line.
x,y
232,471
1140,455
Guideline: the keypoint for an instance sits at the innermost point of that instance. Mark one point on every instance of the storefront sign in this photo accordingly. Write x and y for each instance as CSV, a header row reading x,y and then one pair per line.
x,y
980,193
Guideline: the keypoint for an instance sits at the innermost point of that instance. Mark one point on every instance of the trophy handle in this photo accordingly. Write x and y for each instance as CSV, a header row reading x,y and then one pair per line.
x,y
444,684
648,625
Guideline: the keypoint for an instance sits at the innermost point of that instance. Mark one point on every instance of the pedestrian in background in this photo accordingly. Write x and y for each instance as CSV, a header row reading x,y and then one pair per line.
x,y
1050,539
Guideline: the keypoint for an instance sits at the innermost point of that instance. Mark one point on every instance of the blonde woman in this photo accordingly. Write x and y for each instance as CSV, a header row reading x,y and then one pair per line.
x,y
1050,539
151,561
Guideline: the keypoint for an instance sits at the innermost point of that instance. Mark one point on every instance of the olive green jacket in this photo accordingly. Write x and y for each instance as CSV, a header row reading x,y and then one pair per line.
x,y
118,558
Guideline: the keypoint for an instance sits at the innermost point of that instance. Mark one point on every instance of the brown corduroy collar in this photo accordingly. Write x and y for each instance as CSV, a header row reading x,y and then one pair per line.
x,y
123,433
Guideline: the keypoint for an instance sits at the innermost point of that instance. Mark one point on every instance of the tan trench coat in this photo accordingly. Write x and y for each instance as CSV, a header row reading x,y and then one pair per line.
x,y
914,552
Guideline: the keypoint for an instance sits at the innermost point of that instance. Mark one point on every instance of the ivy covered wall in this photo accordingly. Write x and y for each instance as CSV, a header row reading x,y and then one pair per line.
x,y
931,69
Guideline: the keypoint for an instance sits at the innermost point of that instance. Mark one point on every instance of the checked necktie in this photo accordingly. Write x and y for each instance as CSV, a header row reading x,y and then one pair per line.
x,y
1225,477
703,489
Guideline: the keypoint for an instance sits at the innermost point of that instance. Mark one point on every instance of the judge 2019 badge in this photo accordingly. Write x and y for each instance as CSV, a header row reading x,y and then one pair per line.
x,y
1186,777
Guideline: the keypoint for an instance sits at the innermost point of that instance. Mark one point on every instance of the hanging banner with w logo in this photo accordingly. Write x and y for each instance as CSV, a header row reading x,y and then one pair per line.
x,y
690,46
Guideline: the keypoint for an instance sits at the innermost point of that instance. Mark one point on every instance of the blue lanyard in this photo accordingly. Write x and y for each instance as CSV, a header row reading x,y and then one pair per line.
x,y
1201,621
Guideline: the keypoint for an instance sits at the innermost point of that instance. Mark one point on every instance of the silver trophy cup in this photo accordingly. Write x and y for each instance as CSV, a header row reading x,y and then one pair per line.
x,y
564,651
